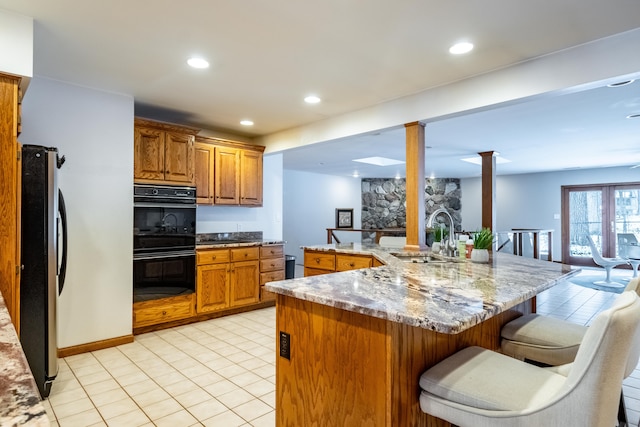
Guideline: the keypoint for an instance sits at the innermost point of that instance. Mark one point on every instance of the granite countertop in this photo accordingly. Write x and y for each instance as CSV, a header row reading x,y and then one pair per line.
x,y
20,402
236,244
233,240
448,296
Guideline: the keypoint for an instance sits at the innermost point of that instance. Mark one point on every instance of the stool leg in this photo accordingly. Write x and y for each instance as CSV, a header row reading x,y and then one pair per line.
x,y
622,412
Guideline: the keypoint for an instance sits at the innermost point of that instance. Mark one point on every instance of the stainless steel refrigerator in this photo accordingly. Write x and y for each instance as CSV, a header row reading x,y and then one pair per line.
x,y
43,247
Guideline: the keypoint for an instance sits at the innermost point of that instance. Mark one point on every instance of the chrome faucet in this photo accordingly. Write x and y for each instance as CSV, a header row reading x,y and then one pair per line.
x,y
451,245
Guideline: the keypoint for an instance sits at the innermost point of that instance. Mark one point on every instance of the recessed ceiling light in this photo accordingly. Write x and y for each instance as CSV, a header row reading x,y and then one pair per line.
x,y
198,62
623,83
379,161
312,99
461,48
246,122
355,174
633,116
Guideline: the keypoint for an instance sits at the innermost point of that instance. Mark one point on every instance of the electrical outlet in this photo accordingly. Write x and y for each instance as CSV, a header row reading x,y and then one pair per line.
x,y
285,345
239,226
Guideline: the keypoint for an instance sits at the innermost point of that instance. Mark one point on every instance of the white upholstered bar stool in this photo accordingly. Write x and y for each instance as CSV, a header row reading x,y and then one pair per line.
x,y
476,387
545,339
551,341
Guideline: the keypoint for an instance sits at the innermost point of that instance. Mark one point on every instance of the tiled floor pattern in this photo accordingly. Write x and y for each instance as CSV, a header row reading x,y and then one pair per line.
x,y
215,373
222,372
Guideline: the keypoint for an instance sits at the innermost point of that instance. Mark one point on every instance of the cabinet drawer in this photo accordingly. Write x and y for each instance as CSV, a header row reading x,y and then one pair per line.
x,y
212,256
272,264
314,272
275,251
271,276
245,254
163,310
352,262
319,260
266,295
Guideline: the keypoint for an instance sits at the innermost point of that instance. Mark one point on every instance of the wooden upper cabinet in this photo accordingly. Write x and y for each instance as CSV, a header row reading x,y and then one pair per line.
x,y
149,154
251,182
163,153
227,176
179,157
204,155
228,172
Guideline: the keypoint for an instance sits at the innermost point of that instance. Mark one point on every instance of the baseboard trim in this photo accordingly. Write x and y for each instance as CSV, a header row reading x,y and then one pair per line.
x,y
93,346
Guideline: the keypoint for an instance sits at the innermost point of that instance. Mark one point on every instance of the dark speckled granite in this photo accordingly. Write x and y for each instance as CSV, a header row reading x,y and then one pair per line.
x,y
233,240
20,403
446,297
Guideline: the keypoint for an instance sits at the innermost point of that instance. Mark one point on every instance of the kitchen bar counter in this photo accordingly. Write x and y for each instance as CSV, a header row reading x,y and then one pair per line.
x,y
353,344
444,297
19,397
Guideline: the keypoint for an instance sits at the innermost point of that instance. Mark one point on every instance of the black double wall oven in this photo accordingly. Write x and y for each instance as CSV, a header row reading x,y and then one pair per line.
x,y
164,241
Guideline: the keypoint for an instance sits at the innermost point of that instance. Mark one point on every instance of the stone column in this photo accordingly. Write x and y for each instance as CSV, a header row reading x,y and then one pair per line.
x,y
415,186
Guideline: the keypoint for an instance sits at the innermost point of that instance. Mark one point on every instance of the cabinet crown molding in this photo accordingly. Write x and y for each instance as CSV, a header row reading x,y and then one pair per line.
x,y
229,143
171,127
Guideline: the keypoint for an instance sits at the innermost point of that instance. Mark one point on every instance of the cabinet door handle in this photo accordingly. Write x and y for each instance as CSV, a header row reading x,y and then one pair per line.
x,y
351,264
213,257
317,260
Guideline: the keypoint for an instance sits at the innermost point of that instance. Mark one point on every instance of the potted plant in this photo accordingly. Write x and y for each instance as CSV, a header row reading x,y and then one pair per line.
x,y
482,241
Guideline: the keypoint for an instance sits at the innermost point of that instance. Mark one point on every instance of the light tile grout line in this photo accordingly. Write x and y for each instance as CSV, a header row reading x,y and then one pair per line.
x,y
158,335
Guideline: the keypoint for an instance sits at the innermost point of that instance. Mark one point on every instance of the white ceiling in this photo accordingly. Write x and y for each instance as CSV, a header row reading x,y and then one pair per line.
x,y
266,56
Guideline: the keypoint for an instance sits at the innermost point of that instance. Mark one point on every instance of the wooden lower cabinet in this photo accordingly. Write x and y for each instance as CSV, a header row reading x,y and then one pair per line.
x,y
272,266
353,262
222,283
359,370
245,282
163,310
212,287
10,176
319,262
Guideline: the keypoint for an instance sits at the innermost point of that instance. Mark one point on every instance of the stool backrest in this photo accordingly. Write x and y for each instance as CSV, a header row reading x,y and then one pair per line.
x,y
610,344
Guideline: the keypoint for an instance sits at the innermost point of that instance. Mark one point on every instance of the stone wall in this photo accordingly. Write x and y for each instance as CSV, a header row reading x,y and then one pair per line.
x,y
384,201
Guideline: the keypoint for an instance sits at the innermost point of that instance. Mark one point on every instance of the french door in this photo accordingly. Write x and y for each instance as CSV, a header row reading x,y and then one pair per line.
x,y
609,213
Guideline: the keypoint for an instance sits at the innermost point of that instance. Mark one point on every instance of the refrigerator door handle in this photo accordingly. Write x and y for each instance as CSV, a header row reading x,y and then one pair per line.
x,y
63,261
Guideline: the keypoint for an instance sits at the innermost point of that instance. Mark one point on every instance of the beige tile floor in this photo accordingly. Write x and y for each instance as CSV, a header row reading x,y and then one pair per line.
x,y
222,372
215,373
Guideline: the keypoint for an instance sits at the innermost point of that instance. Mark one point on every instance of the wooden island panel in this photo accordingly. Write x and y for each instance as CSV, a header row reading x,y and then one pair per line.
x,y
347,368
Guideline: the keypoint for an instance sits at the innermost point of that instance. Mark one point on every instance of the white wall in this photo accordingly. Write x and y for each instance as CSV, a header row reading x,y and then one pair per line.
x,y
94,130
268,218
532,200
310,201
16,44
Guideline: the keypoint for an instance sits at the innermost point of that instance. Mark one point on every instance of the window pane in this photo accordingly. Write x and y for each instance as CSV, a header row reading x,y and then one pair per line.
x,y
627,221
585,218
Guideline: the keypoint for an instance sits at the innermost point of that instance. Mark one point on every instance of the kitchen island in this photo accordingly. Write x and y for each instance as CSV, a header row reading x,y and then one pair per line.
x,y
353,344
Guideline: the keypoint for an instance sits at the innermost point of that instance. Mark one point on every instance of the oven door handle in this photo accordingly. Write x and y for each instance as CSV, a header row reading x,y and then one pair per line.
x,y
161,255
164,205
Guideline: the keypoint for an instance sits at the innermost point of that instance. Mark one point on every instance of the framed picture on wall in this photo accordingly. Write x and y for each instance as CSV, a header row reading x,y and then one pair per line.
x,y
344,218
